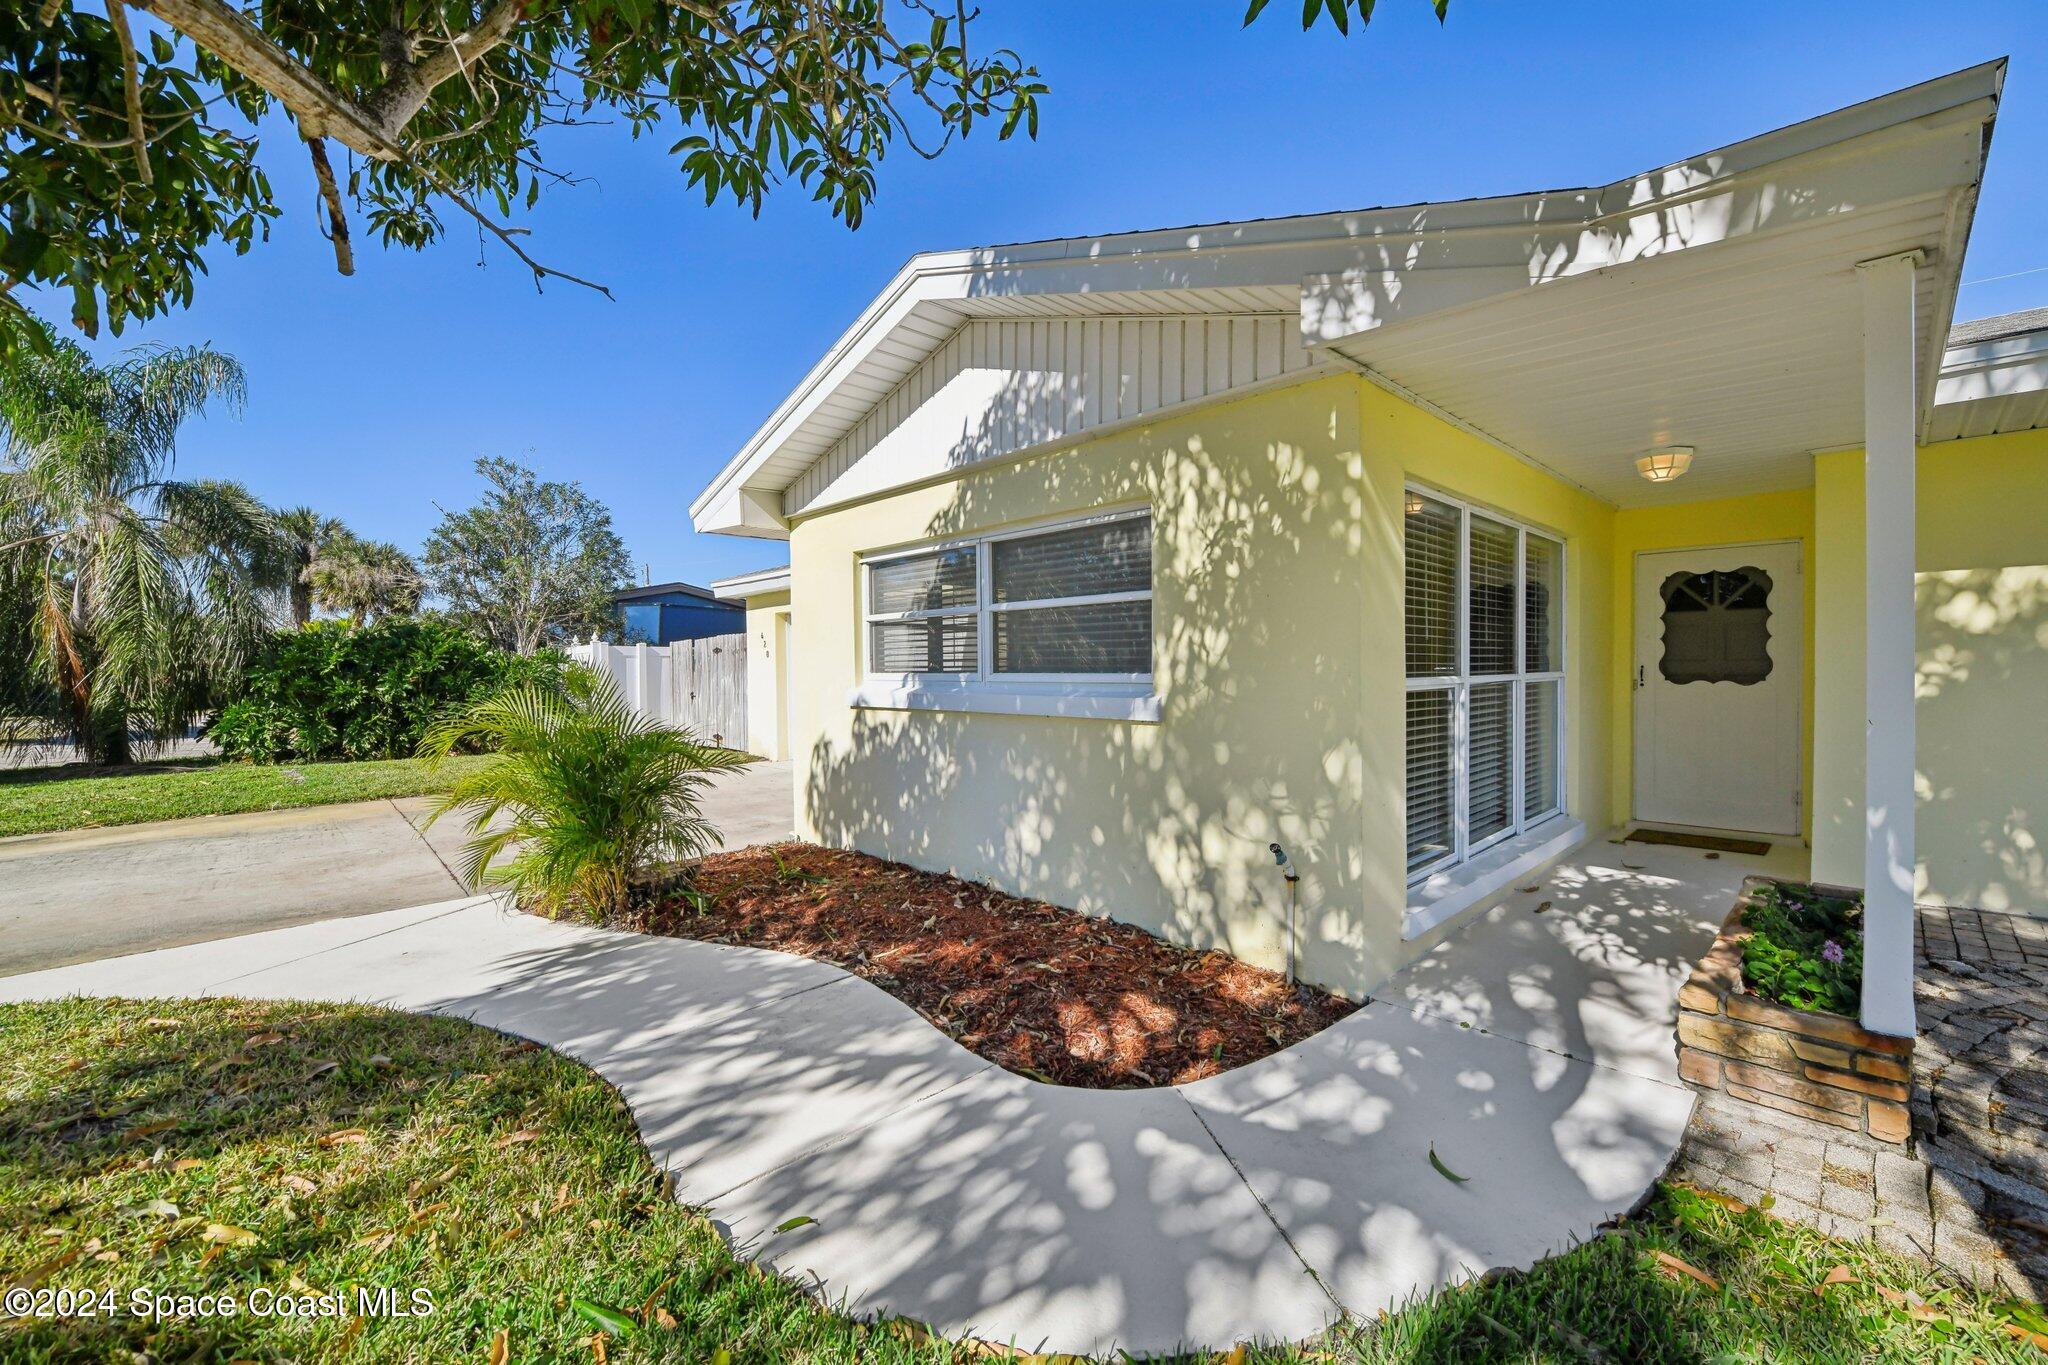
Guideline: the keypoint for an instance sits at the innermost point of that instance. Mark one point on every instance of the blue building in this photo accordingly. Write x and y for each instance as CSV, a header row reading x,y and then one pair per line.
x,y
664,612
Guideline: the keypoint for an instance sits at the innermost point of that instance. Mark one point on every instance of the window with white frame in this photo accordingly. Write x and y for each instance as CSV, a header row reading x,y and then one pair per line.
x,y
1062,603
1484,621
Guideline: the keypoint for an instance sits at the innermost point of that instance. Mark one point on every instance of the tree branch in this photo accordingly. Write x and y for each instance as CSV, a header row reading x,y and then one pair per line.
x,y
411,84
505,235
131,89
374,127
330,195
321,110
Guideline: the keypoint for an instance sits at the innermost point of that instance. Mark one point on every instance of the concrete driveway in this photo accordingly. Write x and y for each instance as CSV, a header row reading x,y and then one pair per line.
x,y
89,894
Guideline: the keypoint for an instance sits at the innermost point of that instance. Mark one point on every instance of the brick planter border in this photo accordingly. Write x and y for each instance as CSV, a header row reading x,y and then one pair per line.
x,y
1815,1066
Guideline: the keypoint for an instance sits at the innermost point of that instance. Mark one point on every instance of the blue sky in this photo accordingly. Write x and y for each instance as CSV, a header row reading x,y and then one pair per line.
x,y
371,397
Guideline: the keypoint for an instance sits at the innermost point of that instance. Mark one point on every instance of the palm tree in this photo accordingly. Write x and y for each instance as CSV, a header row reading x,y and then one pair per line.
x,y
365,580
595,793
142,591
306,536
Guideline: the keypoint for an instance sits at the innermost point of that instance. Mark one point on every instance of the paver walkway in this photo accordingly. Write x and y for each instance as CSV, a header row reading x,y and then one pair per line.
x,y
1532,1051
1972,1194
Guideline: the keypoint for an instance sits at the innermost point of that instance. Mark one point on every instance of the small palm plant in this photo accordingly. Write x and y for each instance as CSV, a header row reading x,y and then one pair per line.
x,y
582,794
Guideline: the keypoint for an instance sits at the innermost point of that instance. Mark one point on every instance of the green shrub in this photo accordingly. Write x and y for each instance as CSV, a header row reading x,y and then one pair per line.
x,y
331,690
582,794
1805,949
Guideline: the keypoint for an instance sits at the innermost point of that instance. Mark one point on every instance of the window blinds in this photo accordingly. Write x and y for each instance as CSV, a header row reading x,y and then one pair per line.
x,y
1432,589
1539,749
1431,816
1483,711
1491,756
1542,576
1491,615
1082,561
932,582
1072,601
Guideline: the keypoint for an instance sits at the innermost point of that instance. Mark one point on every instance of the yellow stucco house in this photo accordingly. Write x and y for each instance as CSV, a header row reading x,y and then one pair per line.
x,y
1430,542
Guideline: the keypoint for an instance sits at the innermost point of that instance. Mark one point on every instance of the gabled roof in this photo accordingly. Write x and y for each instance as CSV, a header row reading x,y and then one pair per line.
x,y
1732,267
649,590
1999,328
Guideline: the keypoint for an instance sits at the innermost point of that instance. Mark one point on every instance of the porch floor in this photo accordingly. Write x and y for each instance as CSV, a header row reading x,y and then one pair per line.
x,y
1530,1053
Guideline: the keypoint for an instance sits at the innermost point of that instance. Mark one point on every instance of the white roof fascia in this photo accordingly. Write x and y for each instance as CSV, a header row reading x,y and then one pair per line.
x,y
753,584
1994,369
1348,263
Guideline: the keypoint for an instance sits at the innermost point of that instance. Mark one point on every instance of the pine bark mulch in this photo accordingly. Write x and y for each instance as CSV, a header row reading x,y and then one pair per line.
x,y
1048,993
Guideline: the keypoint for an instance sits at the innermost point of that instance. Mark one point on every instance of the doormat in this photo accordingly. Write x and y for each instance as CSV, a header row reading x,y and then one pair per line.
x,y
1753,847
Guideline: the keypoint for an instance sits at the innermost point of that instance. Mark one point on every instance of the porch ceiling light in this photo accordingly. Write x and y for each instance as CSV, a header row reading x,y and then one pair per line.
x,y
1665,463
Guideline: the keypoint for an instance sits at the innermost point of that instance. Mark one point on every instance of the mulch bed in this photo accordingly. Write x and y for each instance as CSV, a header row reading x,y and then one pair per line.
x,y
1049,993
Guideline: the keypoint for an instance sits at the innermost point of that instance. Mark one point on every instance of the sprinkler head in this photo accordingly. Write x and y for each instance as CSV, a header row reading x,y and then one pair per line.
x,y
1284,863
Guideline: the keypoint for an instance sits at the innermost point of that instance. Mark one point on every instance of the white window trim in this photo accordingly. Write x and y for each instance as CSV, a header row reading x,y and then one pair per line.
x,y
1095,696
1522,826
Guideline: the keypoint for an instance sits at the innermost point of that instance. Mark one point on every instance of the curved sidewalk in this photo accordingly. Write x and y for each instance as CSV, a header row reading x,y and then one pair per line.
x,y
1532,1051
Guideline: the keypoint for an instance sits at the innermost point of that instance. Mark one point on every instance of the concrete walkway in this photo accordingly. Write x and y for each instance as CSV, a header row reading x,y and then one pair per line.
x,y
94,893
1533,1052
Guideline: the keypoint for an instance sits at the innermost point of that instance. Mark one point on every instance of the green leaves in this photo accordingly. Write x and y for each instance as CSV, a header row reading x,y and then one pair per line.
x,y
1339,12
768,92
332,691
75,215
533,562
133,596
614,1320
582,797
1805,949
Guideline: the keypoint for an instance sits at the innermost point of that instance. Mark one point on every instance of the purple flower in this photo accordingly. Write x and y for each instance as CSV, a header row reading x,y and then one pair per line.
x,y
1831,952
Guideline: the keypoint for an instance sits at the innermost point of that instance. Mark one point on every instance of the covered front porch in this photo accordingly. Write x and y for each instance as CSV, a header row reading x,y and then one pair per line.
x,y
1748,376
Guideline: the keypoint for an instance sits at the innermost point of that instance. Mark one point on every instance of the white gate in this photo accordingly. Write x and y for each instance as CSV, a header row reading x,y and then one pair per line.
x,y
696,685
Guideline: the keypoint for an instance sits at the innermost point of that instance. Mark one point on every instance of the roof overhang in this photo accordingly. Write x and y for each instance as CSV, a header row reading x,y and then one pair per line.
x,y
754,584
1711,302
1989,387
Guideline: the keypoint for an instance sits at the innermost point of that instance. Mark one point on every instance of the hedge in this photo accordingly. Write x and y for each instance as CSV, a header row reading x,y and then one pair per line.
x,y
332,690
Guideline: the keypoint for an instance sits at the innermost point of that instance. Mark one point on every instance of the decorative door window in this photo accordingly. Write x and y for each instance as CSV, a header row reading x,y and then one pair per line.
x,y
1717,627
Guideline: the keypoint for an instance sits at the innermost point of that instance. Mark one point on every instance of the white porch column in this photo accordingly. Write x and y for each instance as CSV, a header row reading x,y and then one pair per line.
x,y
1890,431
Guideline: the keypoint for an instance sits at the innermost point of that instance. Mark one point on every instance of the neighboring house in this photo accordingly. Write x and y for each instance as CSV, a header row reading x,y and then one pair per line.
x,y
663,613
1432,541
766,594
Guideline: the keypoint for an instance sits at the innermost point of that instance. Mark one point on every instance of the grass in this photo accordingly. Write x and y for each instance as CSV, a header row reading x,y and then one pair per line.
x,y
209,1147
39,800
1765,1297
199,1147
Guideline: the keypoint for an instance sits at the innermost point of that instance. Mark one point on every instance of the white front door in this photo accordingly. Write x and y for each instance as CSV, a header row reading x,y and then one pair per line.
x,y
1719,645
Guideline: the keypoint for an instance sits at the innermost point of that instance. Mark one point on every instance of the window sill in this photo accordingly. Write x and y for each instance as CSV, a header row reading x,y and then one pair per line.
x,y
1443,896
1062,702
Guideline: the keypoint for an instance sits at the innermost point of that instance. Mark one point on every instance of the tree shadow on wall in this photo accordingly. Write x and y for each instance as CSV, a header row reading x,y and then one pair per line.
x,y
1268,544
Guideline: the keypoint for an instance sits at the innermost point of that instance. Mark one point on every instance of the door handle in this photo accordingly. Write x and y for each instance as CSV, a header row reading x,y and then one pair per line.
x,y
1640,684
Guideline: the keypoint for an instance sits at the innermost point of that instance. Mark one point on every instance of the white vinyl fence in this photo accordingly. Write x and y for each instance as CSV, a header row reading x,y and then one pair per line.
x,y
699,685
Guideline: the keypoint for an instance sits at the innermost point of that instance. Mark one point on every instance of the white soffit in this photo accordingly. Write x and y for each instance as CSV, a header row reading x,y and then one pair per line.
x,y
1707,298
1719,309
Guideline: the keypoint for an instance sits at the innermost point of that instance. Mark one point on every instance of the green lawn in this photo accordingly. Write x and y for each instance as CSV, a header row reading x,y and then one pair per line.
x,y
223,1146
37,800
